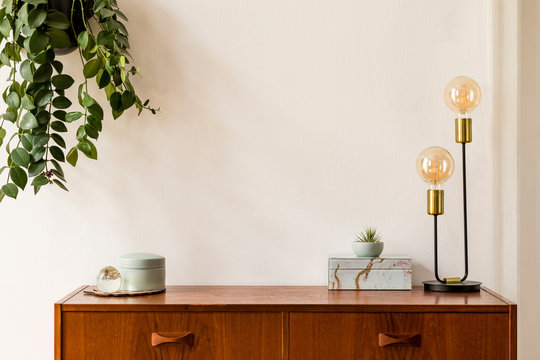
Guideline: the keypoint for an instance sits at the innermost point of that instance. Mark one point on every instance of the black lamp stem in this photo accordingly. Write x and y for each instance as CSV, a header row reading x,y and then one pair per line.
x,y
436,251
465,233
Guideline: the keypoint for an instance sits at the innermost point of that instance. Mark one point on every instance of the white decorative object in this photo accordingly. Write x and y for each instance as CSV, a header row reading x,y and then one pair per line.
x,y
355,273
142,272
108,280
367,249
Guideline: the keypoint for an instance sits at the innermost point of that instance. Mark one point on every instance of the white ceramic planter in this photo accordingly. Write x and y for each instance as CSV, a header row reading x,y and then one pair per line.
x,y
367,249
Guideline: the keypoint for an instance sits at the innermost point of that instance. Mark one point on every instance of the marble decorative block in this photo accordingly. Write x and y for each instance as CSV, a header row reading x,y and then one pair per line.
x,y
355,273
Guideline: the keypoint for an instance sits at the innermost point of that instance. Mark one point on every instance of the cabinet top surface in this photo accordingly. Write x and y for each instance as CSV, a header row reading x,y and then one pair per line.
x,y
277,297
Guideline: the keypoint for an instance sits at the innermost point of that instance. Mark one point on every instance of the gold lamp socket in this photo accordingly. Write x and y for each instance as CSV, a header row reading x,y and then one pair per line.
x,y
435,202
463,130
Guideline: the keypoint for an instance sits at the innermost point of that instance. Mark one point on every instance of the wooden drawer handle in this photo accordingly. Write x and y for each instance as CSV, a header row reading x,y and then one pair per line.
x,y
399,340
183,338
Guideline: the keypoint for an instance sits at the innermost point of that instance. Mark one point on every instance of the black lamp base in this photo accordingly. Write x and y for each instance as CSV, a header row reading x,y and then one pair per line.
x,y
466,286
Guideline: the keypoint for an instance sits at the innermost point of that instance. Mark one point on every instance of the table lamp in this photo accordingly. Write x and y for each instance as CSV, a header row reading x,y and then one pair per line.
x,y
435,165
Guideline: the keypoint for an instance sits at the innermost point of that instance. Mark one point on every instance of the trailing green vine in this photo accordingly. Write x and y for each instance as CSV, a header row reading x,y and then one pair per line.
x,y
38,108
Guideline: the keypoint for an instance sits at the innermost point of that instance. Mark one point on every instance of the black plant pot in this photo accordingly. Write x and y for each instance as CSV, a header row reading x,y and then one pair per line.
x,y
64,6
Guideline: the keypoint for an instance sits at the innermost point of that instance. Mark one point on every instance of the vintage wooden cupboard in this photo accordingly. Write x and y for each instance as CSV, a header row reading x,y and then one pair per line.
x,y
286,322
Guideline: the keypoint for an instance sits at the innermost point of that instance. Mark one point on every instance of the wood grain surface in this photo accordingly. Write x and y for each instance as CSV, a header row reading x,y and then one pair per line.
x,y
280,298
286,322
128,335
443,336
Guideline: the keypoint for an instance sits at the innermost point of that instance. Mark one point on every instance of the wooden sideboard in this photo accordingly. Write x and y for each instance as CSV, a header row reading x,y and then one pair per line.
x,y
285,322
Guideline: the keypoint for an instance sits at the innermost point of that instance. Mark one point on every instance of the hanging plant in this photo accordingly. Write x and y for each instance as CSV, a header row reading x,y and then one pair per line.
x,y
33,128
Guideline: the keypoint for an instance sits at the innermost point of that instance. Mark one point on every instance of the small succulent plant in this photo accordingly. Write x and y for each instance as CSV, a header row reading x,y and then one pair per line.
x,y
369,234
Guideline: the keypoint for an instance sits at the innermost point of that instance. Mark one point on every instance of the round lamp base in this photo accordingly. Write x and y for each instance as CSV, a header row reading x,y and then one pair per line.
x,y
466,286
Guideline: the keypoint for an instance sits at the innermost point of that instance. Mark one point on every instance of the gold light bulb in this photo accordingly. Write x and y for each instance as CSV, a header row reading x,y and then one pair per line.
x,y
435,165
462,95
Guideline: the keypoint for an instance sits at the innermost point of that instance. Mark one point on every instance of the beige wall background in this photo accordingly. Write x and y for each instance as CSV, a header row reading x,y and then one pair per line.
x,y
285,127
529,179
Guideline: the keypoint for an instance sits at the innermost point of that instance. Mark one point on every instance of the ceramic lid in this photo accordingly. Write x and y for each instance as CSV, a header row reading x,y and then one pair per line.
x,y
142,261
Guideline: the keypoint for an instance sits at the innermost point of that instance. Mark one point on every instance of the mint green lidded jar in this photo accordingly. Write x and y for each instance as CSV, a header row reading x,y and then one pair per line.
x,y
142,272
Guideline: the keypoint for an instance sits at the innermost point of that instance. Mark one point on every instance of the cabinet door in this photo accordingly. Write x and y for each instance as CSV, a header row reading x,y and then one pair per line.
x,y
213,335
399,336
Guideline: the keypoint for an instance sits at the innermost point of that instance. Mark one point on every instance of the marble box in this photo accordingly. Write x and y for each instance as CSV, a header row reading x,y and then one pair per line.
x,y
356,273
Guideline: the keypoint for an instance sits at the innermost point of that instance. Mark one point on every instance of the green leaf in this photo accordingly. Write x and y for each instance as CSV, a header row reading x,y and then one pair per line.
x,y
105,13
58,175
81,134
43,97
84,146
91,132
60,185
99,4
40,140
57,153
26,141
23,14
10,115
36,2
79,92
43,117
58,126
4,59
117,114
103,78
20,157
36,189
19,177
72,156
87,100
91,68
26,70
36,168
40,180
96,110
43,73
37,153
83,39
29,121
94,122
36,17
105,37
73,116
59,140
13,100
28,102
58,66
58,38
57,20
38,42
121,15
61,102
87,148
62,81
10,190
109,90
2,133
57,167
5,27
116,101
44,57
60,115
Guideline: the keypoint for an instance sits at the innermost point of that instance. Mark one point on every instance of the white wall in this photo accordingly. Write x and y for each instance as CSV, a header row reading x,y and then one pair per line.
x,y
529,178
285,128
